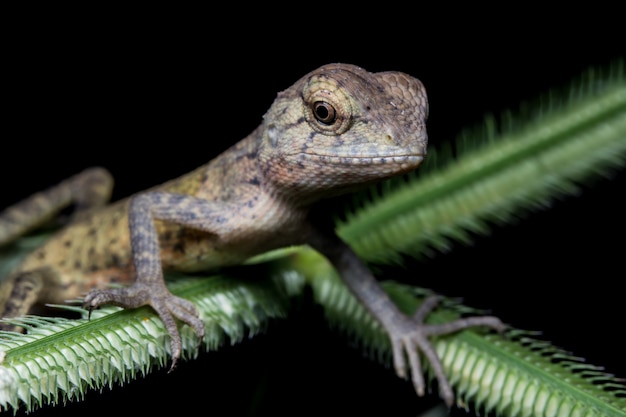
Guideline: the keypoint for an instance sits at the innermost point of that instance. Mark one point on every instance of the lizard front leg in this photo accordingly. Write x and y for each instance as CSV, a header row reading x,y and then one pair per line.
x,y
149,286
408,335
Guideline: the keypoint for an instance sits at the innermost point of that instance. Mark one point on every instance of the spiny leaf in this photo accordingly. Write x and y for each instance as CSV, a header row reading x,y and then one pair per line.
x,y
514,375
59,359
498,174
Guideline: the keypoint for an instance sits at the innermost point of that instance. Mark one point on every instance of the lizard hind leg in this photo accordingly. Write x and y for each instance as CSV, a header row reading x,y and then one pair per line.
x,y
18,294
88,189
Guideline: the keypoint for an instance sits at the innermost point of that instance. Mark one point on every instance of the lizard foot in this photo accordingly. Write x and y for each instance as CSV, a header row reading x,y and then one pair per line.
x,y
410,336
167,306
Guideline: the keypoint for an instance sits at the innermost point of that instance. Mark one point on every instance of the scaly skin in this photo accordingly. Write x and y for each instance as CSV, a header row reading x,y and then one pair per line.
x,y
337,129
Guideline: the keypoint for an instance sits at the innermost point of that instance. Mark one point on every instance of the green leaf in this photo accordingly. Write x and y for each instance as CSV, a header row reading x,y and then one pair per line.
x,y
499,175
59,359
514,375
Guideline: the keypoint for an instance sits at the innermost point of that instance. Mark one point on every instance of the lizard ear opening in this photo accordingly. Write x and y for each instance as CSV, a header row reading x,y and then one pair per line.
x,y
326,107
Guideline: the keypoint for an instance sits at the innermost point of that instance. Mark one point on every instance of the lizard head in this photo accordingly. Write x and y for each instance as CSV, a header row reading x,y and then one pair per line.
x,y
340,127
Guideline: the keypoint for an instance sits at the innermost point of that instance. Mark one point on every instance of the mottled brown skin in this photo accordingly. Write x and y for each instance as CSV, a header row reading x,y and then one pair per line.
x,y
337,129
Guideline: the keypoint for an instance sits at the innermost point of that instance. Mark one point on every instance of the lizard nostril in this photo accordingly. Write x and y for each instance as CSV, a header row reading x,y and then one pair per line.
x,y
389,139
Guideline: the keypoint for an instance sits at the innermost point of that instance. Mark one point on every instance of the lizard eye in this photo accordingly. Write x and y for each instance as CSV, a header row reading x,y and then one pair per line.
x,y
324,112
327,106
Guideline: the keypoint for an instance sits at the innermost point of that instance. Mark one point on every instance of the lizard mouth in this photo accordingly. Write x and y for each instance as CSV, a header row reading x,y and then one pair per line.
x,y
408,160
394,151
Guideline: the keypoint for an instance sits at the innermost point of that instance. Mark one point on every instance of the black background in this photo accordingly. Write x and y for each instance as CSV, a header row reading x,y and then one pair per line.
x,y
151,98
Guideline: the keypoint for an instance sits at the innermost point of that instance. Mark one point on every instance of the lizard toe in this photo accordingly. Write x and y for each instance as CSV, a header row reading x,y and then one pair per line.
x,y
186,311
169,307
165,304
130,297
410,339
410,343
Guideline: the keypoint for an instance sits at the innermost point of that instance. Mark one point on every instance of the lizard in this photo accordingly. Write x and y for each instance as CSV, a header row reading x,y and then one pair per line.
x,y
338,129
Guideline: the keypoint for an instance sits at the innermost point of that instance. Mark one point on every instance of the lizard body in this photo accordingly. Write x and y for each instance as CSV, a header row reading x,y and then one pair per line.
x,y
336,129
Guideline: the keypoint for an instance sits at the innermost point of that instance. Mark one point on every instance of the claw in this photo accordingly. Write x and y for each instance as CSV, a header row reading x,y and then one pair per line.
x,y
166,305
410,337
